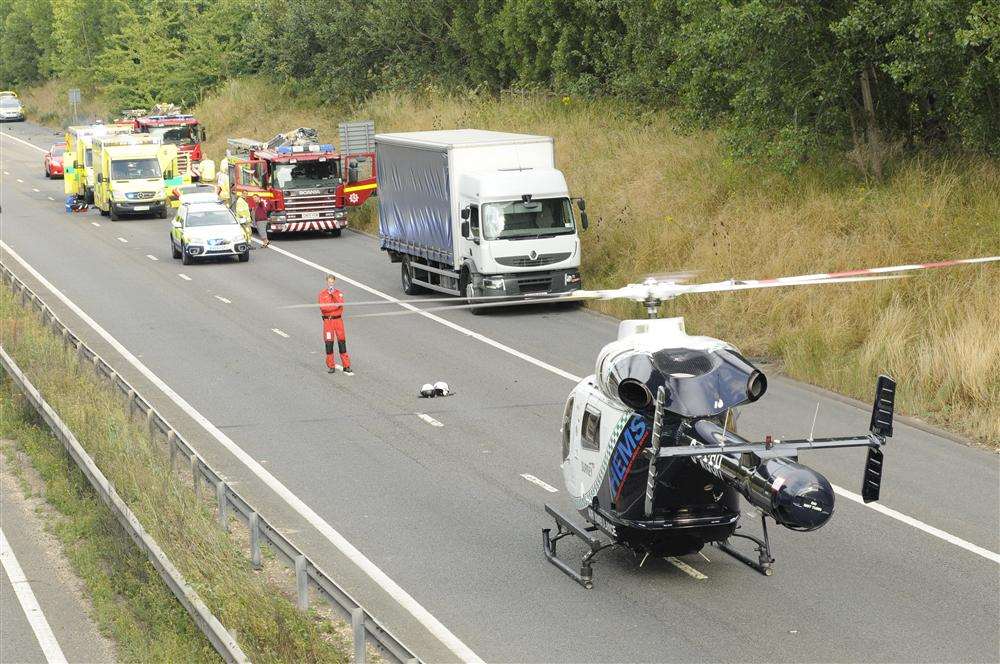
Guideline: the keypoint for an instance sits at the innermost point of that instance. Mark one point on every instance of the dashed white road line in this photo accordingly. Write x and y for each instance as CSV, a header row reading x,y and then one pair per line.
x,y
122,240
20,180
687,569
903,518
29,604
375,573
36,190
95,224
223,299
184,276
152,257
6,173
280,333
534,480
51,199
430,420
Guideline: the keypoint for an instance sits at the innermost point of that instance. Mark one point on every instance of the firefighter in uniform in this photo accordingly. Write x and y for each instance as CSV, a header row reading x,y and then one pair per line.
x,y
331,307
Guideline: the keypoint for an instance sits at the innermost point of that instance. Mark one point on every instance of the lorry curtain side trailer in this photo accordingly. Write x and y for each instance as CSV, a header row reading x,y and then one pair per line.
x,y
477,213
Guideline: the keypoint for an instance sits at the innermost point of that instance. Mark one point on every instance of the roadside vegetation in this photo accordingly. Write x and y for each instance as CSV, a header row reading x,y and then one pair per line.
x,y
131,604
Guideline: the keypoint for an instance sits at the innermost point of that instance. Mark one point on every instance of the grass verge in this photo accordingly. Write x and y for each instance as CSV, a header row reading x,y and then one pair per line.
x,y
48,104
131,604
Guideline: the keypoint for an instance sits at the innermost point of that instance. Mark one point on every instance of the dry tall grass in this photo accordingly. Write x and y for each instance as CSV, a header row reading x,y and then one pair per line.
x,y
48,104
663,201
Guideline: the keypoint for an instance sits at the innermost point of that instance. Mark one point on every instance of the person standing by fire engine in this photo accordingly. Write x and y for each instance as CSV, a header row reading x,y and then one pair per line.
x,y
331,307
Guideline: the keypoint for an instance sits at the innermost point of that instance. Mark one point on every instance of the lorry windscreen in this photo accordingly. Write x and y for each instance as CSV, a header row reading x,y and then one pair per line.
x,y
179,135
135,169
305,175
518,219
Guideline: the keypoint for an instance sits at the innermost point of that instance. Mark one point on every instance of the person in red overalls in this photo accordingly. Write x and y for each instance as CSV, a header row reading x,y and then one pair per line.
x,y
331,306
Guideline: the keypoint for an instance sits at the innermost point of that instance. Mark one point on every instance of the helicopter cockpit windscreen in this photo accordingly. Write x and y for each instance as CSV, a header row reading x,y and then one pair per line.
x,y
698,383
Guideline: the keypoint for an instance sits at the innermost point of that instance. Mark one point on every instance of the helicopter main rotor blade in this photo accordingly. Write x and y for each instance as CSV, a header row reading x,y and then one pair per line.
x,y
490,305
364,303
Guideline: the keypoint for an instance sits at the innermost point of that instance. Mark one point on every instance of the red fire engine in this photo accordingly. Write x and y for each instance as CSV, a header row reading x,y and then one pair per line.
x,y
171,126
297,183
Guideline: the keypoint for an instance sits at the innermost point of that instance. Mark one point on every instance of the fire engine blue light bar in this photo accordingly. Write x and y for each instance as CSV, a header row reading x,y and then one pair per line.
x,y
315,147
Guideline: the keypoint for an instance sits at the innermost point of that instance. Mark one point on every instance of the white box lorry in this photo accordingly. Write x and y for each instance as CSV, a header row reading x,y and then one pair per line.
x,y
477,213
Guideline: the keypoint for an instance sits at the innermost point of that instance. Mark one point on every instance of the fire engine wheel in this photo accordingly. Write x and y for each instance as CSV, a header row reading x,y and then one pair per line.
x,y
335,232
406,276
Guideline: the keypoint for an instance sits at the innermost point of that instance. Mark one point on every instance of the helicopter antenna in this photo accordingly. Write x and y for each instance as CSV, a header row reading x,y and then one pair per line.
x,y
812,429
661,399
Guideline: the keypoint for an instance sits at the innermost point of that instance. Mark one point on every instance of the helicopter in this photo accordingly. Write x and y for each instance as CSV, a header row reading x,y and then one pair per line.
x,y
650,454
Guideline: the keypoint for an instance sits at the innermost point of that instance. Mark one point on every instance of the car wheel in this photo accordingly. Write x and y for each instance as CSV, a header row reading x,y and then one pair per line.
x,y
406,277
244,257
48,176
185,256
174,252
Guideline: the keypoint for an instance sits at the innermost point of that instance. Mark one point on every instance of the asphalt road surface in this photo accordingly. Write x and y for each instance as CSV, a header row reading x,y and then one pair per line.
x,y
446,512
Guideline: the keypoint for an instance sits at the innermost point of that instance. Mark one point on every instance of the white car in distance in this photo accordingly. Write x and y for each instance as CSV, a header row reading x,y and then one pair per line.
x,y
207,230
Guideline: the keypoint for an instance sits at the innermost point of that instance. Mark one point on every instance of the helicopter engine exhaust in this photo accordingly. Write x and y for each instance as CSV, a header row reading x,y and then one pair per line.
x,y
794,495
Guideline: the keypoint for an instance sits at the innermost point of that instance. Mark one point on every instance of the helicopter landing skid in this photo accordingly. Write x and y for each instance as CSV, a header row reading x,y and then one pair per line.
x,y
564,527
763,547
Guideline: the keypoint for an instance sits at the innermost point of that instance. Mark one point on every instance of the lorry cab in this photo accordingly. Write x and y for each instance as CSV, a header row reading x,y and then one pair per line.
x,y
519,219
133,175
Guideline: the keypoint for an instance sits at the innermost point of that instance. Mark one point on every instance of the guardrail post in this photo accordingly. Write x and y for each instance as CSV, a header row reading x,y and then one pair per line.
x,y
172,446
358,628
302,582
255,540
220,495
150,418
24,295
131,403
65,337
195,473
79,352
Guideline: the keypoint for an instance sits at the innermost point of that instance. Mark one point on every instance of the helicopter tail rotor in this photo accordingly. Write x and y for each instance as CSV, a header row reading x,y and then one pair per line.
x,y
881,427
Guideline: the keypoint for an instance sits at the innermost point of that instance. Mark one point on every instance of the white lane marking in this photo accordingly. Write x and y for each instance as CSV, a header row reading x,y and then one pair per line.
x,y
184,276
222,299
20,180
280,333
404,599
687,569
920,525
430,420
15,138
95,224
51,199
931,530
6,173
152,257
32,611
37,191
122,240
544,485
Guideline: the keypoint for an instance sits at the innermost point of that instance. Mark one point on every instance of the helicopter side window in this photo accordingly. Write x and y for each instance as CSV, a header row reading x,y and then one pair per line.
x,y
590,433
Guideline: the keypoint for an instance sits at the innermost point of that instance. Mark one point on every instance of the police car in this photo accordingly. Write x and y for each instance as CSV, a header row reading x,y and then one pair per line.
x,y
207,230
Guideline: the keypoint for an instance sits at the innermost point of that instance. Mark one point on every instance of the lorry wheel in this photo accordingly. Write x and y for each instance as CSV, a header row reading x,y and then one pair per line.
x,y
409,287
465,286
163,212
